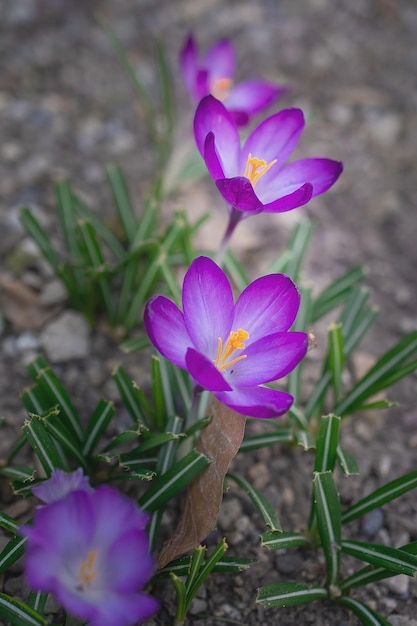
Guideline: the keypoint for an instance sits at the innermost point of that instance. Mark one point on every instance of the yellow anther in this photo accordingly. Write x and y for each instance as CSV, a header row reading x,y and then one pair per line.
x,y
235,342
256,168
220,88
87,571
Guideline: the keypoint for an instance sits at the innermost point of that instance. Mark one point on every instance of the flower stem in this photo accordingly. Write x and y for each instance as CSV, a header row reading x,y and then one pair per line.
x,y
195,400
234,219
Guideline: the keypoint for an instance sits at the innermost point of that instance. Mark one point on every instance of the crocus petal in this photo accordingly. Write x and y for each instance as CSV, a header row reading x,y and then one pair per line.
x,y
205,373
275,138
189,66
292,201
212,116
208,305
268,305
269,358
239,193
320,173
260,402
107,503
220,60
212,159
252,96
127,609
126,576
165,326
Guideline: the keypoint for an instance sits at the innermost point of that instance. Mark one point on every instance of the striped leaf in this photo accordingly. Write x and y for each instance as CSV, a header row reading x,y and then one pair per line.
x,y
289,594
173,481
367,616
393,559
17,613
274,540
327,510
381,496
97,425
264,508
327,442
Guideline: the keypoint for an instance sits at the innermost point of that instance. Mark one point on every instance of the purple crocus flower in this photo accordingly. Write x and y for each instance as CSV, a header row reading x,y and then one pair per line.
x,y
91,551
214,73
231,348
60,484
253,178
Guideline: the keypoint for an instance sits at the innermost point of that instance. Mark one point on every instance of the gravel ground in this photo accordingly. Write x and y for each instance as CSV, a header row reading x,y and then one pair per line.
x,y
66,110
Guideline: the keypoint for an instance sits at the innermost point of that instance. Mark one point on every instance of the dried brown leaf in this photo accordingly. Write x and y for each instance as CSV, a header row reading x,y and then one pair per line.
x,y
22,305
220,442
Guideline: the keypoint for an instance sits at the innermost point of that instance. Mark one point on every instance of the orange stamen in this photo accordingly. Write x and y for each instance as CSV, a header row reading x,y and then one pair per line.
x,y
87,571
234,342
256,168
220,88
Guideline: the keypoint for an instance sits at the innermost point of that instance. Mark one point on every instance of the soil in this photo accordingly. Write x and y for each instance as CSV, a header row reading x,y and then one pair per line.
x,y
67,110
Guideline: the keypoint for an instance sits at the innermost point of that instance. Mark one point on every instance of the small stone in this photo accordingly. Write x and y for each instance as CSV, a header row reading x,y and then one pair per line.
x,y
372,522
230,512
399,585
66,338
402,620
27,342
54,292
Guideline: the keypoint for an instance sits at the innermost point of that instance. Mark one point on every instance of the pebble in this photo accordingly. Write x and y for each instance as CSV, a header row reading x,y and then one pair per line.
x,y
372,522
230,512
53,293
402,620
66,338
399,585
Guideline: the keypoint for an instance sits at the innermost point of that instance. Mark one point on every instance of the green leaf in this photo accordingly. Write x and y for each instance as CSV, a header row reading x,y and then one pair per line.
x,y
129,395
19,473
96,267
381,496
97,425
54,390
111,241
347,463
355,319
289,594
336,359
61,434
159,415
337,292
122,201
43,241
327,510
301,324
236,271
68,219
281,435
11,552
135,343
173,481
205,570
371,573
389,369
327,442
43,446
305,440
19,614
8,523
226,564
264,508
367,616
299,244
37,601
275,540
393,559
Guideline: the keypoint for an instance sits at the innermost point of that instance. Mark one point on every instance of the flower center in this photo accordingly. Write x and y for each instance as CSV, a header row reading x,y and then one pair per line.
x,y
235,342
220,88
87,572
256,168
